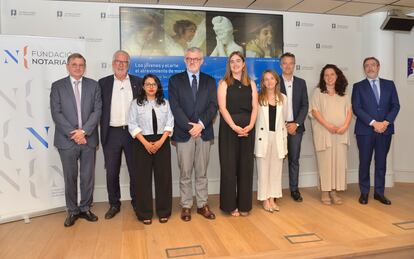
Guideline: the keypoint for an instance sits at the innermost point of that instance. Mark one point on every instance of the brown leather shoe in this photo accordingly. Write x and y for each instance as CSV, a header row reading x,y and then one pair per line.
x,y
206,212
186,214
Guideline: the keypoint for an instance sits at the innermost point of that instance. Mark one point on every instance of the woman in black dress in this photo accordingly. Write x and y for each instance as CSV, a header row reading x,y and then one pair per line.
x,y
237,99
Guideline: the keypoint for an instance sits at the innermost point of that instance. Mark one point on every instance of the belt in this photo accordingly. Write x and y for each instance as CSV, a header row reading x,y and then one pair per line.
x,y
124,127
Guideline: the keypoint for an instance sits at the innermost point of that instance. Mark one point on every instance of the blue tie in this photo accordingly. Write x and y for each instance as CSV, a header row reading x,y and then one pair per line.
x,y
194,87
375,89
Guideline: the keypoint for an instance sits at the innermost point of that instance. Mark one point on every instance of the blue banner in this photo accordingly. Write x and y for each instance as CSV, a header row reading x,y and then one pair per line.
x,y
166,66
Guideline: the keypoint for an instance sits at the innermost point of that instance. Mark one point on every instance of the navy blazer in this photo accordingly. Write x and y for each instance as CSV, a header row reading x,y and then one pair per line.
x,y
186,110
64,111
366,109
107,84
300,101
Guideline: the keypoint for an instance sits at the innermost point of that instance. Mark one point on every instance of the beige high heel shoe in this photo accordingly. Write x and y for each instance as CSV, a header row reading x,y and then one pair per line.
x,y
325,199
335,198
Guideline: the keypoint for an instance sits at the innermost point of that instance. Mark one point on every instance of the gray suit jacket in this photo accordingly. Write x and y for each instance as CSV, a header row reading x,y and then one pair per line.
x,y
64,114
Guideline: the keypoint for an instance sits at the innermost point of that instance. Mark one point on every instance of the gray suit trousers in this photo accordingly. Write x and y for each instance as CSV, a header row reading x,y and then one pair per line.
x,y
71,158
195,153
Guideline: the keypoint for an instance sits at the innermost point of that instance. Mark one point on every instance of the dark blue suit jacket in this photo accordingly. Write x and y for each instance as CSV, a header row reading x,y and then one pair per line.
x,y
107,84
366,109
300,101
186,110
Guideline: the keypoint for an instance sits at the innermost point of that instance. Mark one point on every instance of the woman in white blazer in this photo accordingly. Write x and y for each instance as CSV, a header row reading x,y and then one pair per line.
x,y
271,140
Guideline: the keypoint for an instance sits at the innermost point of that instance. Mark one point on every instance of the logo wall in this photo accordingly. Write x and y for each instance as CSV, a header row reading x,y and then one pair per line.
x,y
31,178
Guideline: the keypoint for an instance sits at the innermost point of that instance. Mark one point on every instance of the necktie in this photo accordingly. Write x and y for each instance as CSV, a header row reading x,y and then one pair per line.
x,y
194,87
375,89
78,103
154,122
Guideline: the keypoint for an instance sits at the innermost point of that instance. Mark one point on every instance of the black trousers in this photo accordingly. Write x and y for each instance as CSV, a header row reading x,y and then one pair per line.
x,y
160,164
294,144
118,140
236,168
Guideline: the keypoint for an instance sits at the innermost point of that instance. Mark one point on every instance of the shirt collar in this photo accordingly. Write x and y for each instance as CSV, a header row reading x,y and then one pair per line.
x,y
73,80
190,74
288,81
126,78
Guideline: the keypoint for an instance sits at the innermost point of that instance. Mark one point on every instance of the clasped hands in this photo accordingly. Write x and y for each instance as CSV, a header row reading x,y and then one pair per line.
x,y
336,130
78,136
153,147
242,132
380,127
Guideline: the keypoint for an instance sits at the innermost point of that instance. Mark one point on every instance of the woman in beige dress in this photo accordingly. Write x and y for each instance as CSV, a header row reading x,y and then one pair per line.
x,y
331,115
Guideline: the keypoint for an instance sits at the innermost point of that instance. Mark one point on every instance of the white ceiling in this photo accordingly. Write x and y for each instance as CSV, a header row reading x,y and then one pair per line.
x,y
339,7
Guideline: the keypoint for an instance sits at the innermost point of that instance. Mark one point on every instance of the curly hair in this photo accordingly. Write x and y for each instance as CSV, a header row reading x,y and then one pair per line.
x,y
340,84
159,95
180,26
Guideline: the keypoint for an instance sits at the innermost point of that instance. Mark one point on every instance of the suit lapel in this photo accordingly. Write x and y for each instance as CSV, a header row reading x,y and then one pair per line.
x,y
187,86
110,88
265,110
84,97
134,86
201,86
370,92
71,93
383,90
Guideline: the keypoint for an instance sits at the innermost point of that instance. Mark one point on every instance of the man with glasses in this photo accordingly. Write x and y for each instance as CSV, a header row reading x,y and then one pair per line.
x,y
118,90
375,104
75,104
193,101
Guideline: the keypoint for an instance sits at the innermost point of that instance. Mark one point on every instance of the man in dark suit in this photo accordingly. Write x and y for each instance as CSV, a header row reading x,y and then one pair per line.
x,y
297,94
375,104
118,90
193,101
75,104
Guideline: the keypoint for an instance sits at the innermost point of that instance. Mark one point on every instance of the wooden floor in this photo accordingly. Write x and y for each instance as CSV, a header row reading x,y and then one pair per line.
x,y
320,231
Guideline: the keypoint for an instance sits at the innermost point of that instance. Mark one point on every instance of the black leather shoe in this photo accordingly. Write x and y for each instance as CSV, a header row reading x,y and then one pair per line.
x,y
382,199
111,212
363,199
70,220
296,196
88,215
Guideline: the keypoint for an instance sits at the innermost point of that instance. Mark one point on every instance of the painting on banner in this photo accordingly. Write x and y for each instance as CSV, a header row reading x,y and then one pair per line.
x,y
31,178
157,39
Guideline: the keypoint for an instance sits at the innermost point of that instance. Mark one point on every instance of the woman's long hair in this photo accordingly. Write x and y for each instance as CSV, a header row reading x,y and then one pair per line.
x,y
263,101
340,84
159,95
228,77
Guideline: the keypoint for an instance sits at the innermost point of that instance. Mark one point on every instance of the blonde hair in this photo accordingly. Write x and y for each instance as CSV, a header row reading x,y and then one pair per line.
x,y
228,77
263,90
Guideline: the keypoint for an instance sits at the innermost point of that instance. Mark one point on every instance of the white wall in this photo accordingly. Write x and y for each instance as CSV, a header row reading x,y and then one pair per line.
x,y
343,44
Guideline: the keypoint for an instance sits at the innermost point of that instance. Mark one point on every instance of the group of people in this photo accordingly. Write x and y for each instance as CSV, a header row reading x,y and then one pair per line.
x,y
136,119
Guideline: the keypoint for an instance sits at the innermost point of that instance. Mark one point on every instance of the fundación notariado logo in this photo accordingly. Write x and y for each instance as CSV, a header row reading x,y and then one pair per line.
x,y
16,56
13,12
103,15
27,57
59,14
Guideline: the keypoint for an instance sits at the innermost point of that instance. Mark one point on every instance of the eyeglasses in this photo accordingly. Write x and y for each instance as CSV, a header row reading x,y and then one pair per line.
x,y
195,60
120,62
153,85
77,65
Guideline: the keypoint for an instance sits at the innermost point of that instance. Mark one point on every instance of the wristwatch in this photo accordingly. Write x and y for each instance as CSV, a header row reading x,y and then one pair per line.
x,y
297,124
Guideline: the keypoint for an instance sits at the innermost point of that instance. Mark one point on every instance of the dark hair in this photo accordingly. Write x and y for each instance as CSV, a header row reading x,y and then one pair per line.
x,y
180,26
75,55
159,95
371,58
287,54
340,84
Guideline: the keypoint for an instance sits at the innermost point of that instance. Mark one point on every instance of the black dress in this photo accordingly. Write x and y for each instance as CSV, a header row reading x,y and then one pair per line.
x,y
236,153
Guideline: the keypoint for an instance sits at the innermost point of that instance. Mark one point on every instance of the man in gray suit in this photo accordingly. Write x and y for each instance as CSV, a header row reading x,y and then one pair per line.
x,y
75,103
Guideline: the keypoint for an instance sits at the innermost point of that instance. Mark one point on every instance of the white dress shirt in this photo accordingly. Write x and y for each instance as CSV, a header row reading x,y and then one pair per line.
x,y
289,93
120,102
140,118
